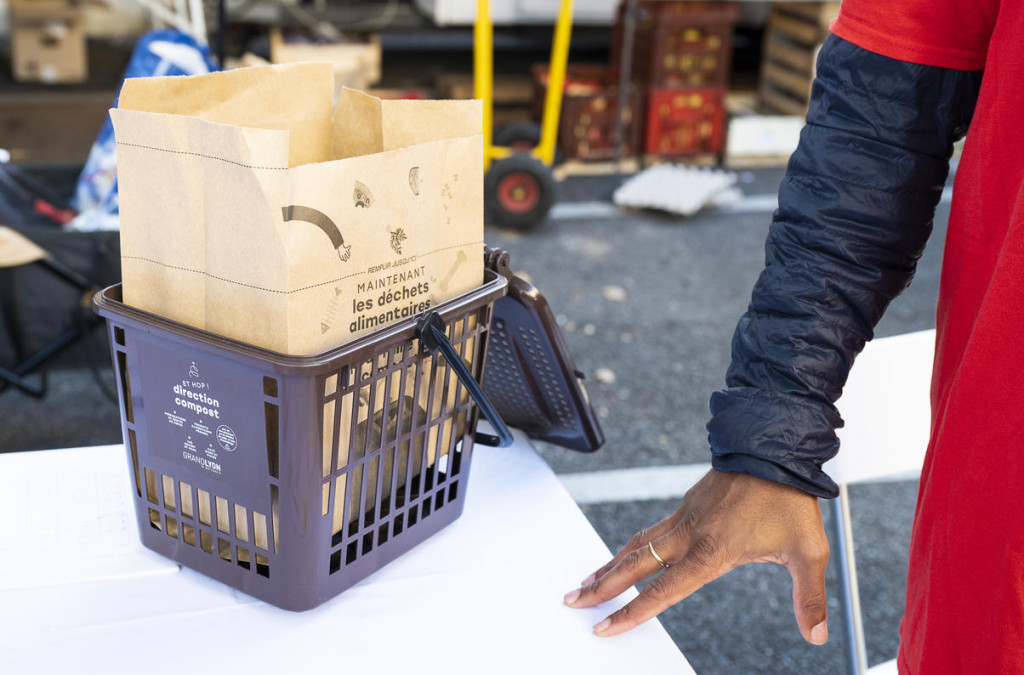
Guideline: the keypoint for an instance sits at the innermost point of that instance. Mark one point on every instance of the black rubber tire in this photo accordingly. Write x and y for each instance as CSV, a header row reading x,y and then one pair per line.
x,y
520,136
519,191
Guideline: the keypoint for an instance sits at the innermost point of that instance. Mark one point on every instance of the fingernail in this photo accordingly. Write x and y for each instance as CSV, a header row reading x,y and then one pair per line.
x,y
819,634
603,626
571,597
589,580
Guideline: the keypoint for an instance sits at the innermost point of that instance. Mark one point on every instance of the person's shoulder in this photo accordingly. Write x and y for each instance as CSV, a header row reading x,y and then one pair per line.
x,y
944,33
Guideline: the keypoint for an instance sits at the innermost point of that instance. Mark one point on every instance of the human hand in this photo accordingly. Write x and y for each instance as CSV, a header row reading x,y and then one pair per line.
x,y
725,520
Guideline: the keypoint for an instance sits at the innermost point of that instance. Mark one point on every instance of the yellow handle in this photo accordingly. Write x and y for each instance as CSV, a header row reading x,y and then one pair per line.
x,y
556,84
483,72
483,81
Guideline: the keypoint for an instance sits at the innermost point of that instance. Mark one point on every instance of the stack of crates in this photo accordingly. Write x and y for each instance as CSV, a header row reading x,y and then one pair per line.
x,y
793,37
681,59
588,128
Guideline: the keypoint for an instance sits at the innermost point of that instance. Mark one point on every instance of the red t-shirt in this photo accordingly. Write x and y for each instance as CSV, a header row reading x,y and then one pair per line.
x,y
965,591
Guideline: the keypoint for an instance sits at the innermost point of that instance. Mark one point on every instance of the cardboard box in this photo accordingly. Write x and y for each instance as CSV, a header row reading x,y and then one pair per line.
x,y
48,41
356,64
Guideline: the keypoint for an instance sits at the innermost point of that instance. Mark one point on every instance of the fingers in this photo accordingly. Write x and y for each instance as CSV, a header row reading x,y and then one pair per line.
x,y
634,566
635,543
724,521
809,603
702,564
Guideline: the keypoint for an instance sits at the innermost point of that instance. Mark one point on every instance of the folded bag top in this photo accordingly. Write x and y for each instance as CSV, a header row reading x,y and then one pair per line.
x,y
255,207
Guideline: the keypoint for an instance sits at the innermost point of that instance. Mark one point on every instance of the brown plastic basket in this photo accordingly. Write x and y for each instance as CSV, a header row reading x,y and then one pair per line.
x,y
291,478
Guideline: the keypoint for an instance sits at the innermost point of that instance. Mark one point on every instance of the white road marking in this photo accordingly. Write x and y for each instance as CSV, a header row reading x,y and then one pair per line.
x,y
653,482
750,204
584,211
629,485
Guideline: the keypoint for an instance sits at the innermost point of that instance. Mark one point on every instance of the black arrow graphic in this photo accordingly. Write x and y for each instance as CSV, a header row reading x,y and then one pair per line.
x,y
320,219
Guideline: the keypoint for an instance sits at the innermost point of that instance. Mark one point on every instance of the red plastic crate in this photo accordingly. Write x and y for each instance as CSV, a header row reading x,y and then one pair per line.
x,y
679,43
588,128
685,122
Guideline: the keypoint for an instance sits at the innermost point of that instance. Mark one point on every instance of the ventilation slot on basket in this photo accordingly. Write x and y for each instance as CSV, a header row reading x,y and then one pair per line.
x,y
328,440
230,531
335,562
170,501
135,460
242,555
270,415
126,387
186,500
275,519
241,523
223,519
270,387
259,526
205,514
151,495
224,550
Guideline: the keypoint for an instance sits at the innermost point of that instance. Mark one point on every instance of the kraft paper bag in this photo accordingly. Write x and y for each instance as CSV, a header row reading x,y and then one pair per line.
x,y
255,207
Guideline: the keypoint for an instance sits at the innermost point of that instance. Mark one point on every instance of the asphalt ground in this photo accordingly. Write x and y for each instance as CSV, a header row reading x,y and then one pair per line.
x,y
651,301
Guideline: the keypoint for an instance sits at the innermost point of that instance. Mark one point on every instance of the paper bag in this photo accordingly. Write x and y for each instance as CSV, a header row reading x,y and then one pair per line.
x,y
253,207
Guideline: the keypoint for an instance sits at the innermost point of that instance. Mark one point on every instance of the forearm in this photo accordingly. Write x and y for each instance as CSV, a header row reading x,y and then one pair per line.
x,y
855,212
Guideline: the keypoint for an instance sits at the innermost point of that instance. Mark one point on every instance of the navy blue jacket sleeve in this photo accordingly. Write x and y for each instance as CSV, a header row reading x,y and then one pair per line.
x,y
855,210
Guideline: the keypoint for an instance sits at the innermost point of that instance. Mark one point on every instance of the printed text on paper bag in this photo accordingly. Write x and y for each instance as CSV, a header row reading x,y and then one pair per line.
x,y
390,297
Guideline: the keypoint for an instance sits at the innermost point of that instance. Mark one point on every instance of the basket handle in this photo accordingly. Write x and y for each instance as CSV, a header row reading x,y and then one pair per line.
x,y
430,331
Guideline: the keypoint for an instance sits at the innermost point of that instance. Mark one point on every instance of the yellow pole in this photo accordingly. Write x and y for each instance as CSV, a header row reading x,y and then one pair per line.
x,y
556,84
483,72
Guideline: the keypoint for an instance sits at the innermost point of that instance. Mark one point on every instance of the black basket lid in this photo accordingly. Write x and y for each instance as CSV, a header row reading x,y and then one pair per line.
x,y
529,374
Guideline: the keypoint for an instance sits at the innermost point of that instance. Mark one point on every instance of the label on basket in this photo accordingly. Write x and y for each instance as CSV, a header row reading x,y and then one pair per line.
x,y
206,413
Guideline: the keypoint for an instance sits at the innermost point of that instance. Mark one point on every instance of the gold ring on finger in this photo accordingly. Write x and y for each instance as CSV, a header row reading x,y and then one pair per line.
x,y
650,547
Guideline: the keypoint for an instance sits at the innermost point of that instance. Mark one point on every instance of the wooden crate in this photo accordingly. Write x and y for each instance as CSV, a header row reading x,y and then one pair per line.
x,y
52,127
505,89
684,122
587,129
679,44
512,94
793,36
357,62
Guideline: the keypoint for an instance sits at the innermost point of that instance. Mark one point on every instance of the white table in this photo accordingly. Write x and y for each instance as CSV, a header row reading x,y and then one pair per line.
x,y
79,593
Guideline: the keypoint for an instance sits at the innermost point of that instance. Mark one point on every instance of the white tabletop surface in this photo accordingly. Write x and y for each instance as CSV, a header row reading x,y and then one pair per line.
x,y
79,593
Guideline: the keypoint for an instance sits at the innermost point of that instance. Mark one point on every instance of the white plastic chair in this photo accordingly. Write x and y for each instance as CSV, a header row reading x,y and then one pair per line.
x,y
887,411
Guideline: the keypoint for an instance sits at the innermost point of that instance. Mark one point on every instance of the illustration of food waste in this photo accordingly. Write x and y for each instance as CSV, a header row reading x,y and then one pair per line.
x,y
255,206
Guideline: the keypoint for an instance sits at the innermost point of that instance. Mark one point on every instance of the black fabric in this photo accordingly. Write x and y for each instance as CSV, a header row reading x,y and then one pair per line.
x,y
855,210
40,305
